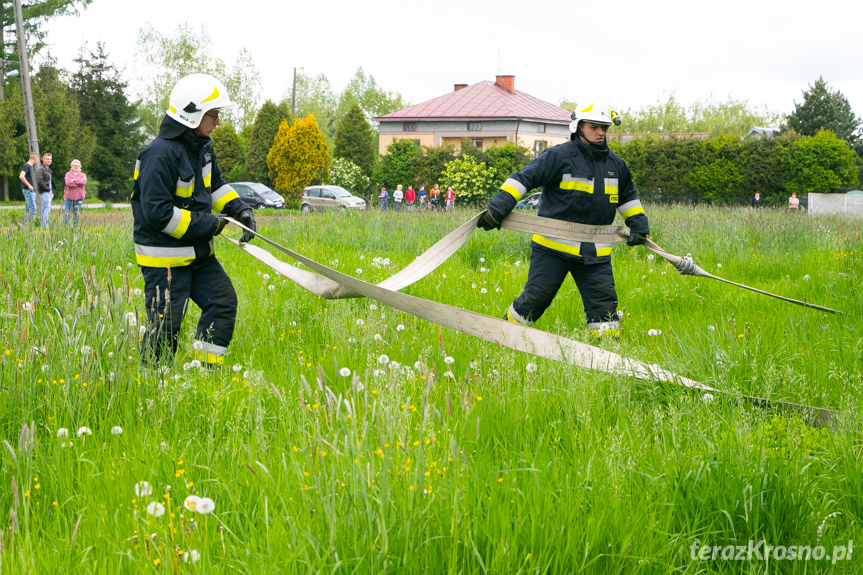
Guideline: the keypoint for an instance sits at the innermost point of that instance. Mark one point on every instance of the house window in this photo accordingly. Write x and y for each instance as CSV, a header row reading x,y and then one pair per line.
x,y
477,143
540,128
539,146
409,127
417,142
474,126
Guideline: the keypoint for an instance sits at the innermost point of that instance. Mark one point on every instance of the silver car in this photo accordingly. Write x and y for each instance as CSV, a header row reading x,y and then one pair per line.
x,y
317,198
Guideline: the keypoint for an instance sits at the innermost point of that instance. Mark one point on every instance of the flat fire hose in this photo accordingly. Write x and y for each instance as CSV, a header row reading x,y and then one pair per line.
x,y
332,284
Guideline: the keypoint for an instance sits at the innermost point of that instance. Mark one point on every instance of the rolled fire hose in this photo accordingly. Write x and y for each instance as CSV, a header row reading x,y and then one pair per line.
x,y
331,284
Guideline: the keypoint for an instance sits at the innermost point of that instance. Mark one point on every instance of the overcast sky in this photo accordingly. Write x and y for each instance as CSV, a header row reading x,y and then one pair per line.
x,y
629,53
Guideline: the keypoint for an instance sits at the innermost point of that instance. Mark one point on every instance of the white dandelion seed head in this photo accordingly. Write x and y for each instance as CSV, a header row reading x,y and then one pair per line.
x,y
119,269
359,271
531,367
711,328
266,277
707,398
497,290
518,263
195,363
378,372
418,365
128,265
116,430
345,372
352,340
197,345
378,337
482,260
271,287
155,509
82,431
191,502
359,386
473,286
384,359
237,367
142,330
137,291
373,307
293,324
192,556
448,360
86,349
474,364
205,505
258,273
643,278
360,322
394,364
719,266
650,257
806,278
450,375
143,489
186,367
654,332
27,306
400,327
110,354
482,270
444,276
483,290
45,368
62,432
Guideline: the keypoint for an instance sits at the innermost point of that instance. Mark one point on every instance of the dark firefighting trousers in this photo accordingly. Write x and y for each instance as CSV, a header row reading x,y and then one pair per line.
x,y
595,283
168,290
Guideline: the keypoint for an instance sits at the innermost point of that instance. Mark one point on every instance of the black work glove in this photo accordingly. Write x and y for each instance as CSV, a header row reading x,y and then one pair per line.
x,y
247,218
636,239
489,220
222,222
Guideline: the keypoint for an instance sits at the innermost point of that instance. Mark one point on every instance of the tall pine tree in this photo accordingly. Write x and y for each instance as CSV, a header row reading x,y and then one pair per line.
x,y
823,109
354,140
263,133
229,153
108,113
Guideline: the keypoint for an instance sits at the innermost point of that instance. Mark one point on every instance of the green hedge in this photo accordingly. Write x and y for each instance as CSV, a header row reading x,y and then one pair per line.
x,y
728,169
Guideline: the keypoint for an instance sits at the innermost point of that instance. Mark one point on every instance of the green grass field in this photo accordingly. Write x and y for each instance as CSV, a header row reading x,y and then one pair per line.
x,y
497,462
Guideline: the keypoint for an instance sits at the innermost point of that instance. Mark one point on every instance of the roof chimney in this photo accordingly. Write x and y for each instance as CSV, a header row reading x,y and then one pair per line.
x,y
507,82
459,87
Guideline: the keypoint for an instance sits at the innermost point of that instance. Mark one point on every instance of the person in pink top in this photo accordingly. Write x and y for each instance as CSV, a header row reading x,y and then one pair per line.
x,y
74,193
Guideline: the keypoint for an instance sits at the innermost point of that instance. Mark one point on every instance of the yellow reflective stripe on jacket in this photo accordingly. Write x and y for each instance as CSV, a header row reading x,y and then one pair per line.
x,y
580,184
630,209
611,186
156,257
222,196
603,249
137,169
565,246
514,188
207,172
185,188
179,223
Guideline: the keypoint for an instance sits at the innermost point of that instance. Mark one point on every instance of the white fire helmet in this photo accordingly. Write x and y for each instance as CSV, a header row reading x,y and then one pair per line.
x,y
195,95
595,114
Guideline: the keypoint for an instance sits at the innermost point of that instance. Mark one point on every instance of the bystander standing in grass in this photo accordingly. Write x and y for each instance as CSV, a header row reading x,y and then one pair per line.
x,y
384,197
398,197
28,187
45,185
450,198
74,192
410,197
756,202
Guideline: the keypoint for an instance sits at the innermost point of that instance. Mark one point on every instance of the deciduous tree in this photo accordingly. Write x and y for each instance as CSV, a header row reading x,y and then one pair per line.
x,y
229,153
473,182
398,166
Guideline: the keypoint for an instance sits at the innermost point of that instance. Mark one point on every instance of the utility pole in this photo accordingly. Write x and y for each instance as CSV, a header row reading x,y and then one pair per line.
x,y
29,115
3,93
294,96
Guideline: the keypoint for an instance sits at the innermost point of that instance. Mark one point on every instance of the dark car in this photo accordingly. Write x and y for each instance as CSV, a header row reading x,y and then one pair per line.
x,y
258,195
529,203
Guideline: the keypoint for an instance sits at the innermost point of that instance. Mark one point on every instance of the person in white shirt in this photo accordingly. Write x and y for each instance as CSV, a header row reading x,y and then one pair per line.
x,y
398,196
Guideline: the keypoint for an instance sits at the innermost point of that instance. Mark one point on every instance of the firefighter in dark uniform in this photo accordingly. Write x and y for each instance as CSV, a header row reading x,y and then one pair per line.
x,y
178,186
583,182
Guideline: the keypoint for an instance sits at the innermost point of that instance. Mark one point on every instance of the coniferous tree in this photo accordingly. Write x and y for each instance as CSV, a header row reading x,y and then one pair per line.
x,y
354,140
263,133
299,157
823,109
108,113
229,153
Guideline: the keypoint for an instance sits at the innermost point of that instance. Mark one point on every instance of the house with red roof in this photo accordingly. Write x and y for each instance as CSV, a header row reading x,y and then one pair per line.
x,y
489,113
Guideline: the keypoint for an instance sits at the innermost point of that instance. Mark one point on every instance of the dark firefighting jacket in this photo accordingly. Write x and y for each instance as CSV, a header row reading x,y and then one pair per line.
x,y
178,185
579,184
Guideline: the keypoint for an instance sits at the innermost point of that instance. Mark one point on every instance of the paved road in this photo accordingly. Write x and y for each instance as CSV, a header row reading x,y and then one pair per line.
x,y
59,206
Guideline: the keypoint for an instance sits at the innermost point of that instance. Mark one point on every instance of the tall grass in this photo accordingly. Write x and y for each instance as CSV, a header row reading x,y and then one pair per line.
x,y
496,462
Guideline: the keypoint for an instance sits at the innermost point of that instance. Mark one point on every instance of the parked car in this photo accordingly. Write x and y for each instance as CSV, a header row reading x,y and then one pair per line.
x,y
529,203
317,198
258,195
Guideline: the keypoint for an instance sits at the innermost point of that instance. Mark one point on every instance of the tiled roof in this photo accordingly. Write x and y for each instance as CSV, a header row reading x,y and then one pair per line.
x,y
484,100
